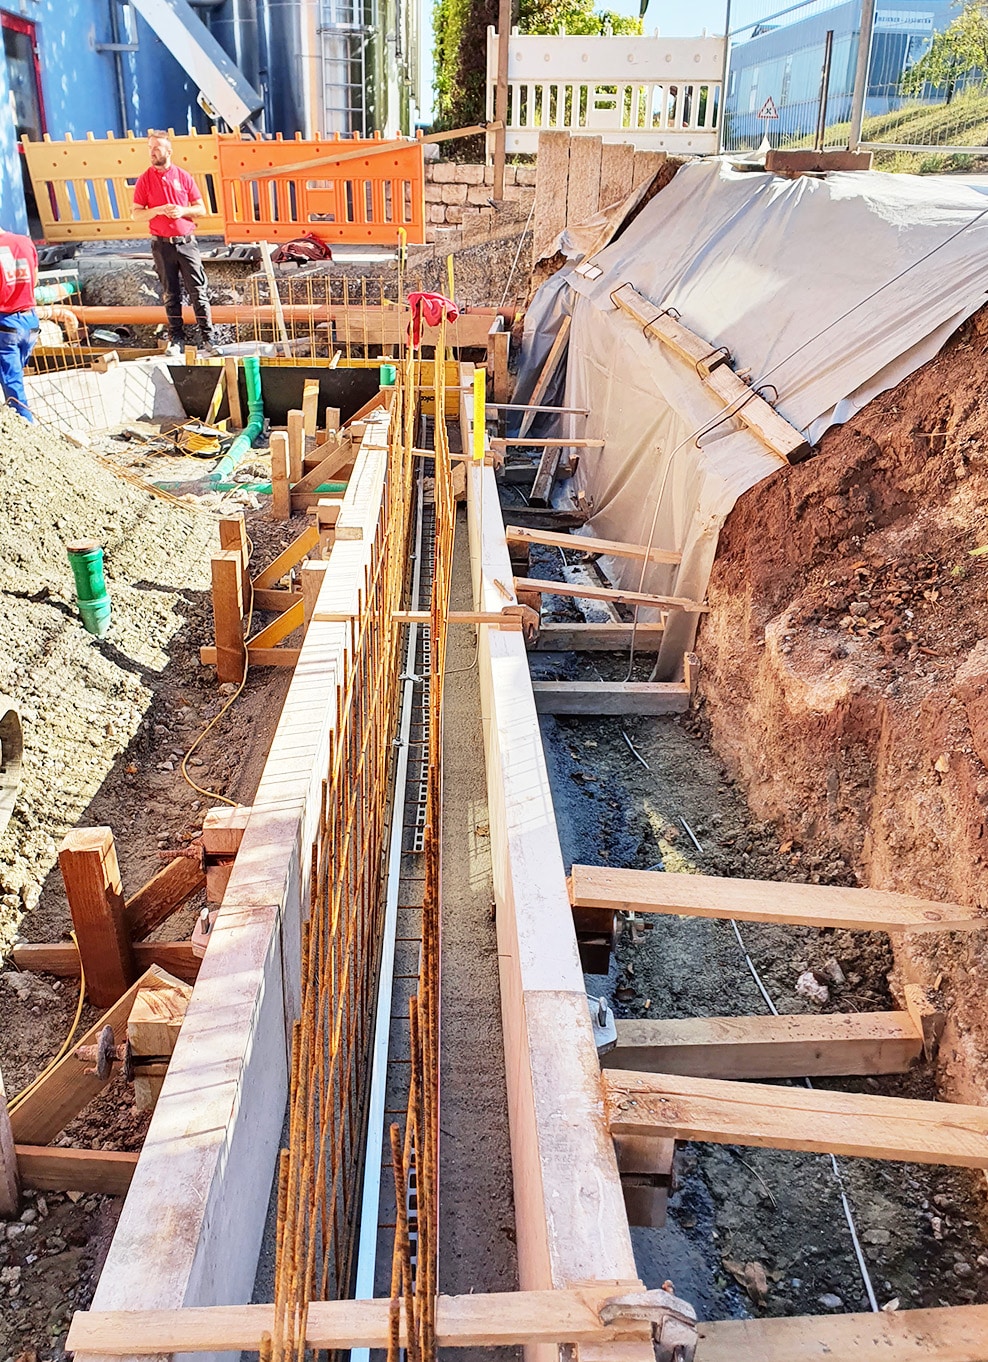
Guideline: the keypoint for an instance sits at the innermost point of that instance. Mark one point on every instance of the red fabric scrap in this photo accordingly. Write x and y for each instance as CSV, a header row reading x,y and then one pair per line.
x,y
428,309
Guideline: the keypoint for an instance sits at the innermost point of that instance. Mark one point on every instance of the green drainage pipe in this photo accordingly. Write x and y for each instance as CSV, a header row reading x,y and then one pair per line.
x,y
255,423
327,489
86,561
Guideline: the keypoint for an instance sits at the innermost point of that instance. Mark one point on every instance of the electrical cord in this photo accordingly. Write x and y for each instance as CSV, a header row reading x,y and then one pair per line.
x,y
35,1083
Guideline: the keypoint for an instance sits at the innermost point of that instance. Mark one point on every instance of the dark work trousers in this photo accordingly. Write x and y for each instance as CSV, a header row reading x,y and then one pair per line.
x,y
179,262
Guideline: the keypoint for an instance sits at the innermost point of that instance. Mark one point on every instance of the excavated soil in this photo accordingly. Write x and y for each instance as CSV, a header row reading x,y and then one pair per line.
x,y
106,723
845,673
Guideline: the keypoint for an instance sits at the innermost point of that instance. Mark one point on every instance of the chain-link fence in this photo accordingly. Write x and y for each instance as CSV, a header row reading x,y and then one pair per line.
x,y
915,90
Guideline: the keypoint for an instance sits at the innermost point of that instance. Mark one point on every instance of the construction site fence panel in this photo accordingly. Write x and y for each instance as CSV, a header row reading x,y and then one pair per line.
x,y
659,94
369,198
253,190
85,190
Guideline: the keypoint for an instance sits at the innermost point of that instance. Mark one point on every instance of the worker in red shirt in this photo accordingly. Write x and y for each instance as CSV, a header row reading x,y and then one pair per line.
x,y
19,325
167,198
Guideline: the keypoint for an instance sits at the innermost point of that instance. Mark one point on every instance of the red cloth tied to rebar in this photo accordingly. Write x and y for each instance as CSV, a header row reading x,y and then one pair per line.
x,y
429,309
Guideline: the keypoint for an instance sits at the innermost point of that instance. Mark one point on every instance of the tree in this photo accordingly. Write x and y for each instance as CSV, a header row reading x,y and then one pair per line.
x,y
460,45
956,51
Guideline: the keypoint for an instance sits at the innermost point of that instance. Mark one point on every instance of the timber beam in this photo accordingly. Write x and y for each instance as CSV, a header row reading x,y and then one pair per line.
x,y
803,905
609,593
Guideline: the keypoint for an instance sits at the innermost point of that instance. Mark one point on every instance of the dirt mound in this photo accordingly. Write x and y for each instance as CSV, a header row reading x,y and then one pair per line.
x,y
82,698
844,671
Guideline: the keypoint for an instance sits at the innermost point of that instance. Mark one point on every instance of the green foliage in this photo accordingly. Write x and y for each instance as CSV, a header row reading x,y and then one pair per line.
x,y
956,51
460,45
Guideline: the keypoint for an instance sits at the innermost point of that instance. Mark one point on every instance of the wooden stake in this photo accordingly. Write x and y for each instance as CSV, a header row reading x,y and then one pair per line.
x,y
233,535
88,861
545,377
281,493
228,616
310,407
233,393
10,1182
501,94
332,422
296,445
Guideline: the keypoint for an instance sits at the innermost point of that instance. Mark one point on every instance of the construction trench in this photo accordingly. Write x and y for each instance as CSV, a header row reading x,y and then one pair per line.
x,y
522,825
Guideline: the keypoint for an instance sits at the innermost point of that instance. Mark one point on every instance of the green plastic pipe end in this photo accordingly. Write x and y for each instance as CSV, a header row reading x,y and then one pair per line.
x,y
389,375
86,561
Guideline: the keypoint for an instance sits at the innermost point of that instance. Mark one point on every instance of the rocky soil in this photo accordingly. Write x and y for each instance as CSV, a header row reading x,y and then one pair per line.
x,y
107,722
845,673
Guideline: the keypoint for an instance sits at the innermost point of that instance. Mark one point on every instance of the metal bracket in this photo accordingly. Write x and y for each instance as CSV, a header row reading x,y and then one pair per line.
x,y
604,1025
673,1321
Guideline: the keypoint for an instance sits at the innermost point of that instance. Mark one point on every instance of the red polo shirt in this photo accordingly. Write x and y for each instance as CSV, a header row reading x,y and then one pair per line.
x,y
18,273
174,185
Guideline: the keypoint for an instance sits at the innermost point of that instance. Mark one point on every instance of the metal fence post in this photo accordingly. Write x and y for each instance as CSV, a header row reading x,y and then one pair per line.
x,y
722,113
861,73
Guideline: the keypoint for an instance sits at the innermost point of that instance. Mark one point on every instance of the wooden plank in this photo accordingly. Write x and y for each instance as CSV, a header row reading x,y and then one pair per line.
x,y
233,535
337,456
278,630
213,410
616,172
752,411
152,1029
545,476
310,408
608,593
296,445
59,1098
62,958
952,1334
551,185
281,490
165,892
10,1177
598,638
98,1171
259,657
233,393
854,1125
228,617
275,598
296,551
372,404
517,534
611,697
479,1320
700,353
804,905
501,94
499,350
87,859
804,1046
548,370
560,443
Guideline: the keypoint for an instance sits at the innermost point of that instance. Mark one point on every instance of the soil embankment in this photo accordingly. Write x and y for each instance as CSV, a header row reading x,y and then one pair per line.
x,y
845,674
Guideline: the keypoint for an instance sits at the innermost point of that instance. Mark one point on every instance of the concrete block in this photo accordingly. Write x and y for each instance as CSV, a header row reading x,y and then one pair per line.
x,y
454,193
809,162
467,174
442,172
479,195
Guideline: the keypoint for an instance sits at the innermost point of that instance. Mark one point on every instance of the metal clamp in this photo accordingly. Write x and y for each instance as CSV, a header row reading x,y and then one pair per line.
x,y
673,1321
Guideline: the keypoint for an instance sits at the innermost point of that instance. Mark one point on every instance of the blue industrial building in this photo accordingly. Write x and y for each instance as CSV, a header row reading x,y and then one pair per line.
x,y
779,68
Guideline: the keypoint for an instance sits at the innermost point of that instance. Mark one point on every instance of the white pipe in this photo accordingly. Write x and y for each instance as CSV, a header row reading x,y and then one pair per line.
x,y
373,1158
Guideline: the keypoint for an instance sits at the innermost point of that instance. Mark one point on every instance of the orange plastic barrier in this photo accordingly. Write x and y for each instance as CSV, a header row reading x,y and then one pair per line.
x,y
85,190
270,195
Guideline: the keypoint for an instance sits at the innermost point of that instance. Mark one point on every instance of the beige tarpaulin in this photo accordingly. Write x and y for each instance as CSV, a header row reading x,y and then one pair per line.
x,y
829,291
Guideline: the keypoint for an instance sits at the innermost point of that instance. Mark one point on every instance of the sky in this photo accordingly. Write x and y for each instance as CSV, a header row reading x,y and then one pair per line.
x,y
676,18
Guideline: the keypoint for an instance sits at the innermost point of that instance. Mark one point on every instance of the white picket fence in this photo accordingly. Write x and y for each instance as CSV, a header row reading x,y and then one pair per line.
x,y
659,94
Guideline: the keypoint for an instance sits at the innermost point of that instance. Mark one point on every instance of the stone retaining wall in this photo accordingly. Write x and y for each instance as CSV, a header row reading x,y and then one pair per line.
x,y
457,196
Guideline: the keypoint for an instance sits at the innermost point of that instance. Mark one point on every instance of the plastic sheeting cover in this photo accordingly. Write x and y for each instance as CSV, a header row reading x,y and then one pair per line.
x,y
829,290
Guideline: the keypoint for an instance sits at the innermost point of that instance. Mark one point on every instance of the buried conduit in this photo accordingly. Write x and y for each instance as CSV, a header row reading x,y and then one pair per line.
x,y
255,423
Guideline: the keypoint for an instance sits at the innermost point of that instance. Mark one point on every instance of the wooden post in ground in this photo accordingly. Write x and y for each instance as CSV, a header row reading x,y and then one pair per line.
x,y
10,1182
332,422
233,535
312,575
228,616
281,492
310,408
296,445
88,862
233,393
501,94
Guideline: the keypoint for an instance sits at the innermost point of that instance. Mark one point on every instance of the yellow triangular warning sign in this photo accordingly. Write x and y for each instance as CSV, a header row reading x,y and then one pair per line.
x,y
768,109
